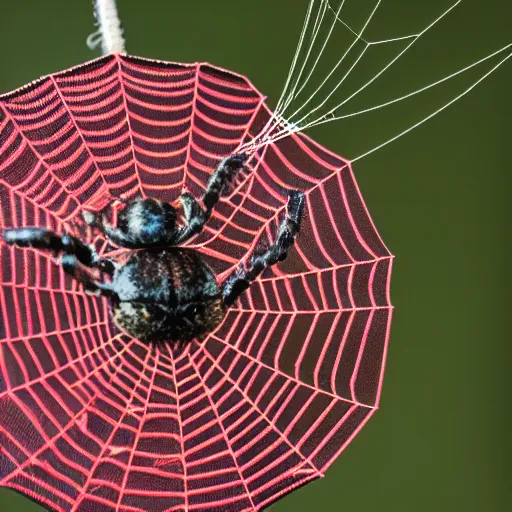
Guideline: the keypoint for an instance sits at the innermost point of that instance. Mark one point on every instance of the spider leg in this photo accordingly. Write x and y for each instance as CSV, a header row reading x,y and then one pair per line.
x,y
40,238
221,178
71,266
242,277
195,216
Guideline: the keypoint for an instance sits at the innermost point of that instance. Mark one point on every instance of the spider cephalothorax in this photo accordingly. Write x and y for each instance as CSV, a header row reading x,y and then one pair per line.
x,y
163,292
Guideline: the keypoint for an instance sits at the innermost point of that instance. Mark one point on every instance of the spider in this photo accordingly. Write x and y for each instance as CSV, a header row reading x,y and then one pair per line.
x,y
164,292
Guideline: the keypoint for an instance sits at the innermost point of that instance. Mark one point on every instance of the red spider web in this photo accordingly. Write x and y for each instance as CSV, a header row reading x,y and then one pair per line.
x,y
93,420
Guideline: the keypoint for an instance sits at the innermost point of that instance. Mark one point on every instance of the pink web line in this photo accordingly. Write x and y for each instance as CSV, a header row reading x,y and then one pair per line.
x,y
138,83
340,350
103,86
224,96
119,395
388,332
105,115
249,178
308,192
215,123
298,138
180,423
85,377
210,121
53,215
224,110
61,164
29,178
360,238
30,145
20,286
157,154
314,227
159,108
58,221
255,408
184,69
279,209
305,346
295,170
162,140
114,391
362,346
310,311
132,143
42,84
137,436
323,298
167,124
40,111
29,348
51,373
325,348
221,426
347,442
211,138
334,226
370,284
63,433
83,493
287,377
191,129
308,291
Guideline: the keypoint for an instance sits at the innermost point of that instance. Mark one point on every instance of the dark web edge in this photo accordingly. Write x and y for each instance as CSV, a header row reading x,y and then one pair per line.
x,y
104,59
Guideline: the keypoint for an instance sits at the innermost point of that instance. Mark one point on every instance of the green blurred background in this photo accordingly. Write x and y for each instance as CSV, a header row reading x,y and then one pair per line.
x,y
439,197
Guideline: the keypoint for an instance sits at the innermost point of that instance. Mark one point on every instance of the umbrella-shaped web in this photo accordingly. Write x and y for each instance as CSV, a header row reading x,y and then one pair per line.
x,y
92,419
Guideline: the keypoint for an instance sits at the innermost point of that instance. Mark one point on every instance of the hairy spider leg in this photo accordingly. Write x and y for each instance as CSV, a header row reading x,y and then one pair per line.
x,y
75,251
242,277
40,238
195,216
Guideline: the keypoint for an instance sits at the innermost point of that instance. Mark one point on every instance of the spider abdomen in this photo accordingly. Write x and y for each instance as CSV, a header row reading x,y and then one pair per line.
x,y
167,295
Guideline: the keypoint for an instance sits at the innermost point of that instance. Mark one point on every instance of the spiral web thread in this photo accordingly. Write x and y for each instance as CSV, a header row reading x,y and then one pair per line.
x,y
92,419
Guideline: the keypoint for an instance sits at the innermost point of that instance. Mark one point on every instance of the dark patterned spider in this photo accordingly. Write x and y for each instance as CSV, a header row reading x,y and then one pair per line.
x,y
163,292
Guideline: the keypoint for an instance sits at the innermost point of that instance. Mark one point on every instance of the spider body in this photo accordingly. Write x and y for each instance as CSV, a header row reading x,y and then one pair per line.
x,y
167,294
161,291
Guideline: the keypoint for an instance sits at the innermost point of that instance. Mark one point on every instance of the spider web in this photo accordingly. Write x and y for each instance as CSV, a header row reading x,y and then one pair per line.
x,y
92,419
